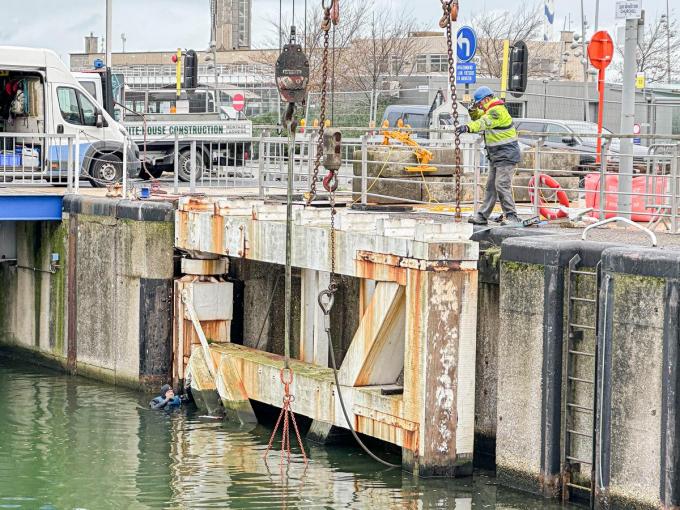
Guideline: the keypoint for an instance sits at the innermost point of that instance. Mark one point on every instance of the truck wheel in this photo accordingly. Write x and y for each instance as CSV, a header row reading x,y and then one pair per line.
x,y
184,170
107,169
151,171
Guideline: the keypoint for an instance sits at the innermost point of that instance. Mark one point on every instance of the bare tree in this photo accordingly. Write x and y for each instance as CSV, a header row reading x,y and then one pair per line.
x,y
385,48
653,48
353,17
524,23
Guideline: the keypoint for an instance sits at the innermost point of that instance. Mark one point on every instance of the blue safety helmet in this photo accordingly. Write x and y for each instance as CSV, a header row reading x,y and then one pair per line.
x,y
481,93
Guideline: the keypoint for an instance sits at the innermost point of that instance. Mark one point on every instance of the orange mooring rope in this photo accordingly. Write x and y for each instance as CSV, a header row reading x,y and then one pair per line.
x,y
287,416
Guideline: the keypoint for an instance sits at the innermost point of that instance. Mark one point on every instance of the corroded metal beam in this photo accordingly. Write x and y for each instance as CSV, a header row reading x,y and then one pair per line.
x,y
418,316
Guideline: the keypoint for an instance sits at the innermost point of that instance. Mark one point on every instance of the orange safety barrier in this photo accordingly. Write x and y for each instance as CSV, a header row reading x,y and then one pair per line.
x,y
640,213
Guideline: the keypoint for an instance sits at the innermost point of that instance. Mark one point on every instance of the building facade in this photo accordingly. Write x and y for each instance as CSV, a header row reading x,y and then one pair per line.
x,y
233,20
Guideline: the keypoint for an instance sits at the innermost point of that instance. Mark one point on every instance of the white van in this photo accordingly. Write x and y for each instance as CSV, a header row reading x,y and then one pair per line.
x,y
38,94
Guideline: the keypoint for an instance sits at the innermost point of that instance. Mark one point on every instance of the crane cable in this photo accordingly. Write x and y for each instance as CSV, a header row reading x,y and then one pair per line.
x,y
326,297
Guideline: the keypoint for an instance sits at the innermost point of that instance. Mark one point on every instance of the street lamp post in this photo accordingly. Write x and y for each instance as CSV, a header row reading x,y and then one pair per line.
x,y
584,59
108,32
668,43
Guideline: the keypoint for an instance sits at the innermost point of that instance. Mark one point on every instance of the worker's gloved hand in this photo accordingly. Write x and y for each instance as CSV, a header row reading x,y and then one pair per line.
x,y
462,129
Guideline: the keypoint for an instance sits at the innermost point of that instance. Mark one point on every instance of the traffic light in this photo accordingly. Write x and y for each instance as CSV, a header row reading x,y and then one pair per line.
x,y
190,69
518,68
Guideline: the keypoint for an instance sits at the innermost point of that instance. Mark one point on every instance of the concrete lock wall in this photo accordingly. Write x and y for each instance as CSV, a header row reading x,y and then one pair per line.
x,y
106,311
636,457
32,301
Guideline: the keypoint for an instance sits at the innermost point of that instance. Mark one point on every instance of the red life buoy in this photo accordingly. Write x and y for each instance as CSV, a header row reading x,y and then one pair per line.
x,y
546,212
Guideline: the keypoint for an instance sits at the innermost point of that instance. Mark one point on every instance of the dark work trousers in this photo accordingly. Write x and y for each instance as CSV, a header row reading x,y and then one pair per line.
x,y
499,186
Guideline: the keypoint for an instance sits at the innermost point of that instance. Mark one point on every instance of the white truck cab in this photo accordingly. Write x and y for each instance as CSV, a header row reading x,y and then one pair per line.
x,y
38,94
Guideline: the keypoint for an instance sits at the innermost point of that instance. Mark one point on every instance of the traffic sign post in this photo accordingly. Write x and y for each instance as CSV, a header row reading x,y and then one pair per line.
x,y
238,102
636,131
466,44
600,52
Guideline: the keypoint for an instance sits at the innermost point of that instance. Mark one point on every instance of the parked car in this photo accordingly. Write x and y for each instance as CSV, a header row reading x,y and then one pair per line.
x,y
580,141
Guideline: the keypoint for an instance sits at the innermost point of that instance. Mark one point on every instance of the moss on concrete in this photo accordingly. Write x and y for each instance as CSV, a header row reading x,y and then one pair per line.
x,y
57,242
493,256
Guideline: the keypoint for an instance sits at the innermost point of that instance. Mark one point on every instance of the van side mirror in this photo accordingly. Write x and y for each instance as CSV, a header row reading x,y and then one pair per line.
x,y
569,140
100,120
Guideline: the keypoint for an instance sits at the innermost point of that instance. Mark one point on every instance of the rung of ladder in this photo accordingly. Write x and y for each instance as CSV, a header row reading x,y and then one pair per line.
x,y
583,299
580,461
578,379
577,486
589,273
581,353
580,407
581,326
579,433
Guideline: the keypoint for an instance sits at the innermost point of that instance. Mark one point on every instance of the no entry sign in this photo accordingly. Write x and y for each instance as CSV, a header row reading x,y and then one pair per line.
x,y
238,102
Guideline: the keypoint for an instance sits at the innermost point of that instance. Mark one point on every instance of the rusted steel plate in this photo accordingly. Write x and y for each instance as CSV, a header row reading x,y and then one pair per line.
x,y
430,246
315,393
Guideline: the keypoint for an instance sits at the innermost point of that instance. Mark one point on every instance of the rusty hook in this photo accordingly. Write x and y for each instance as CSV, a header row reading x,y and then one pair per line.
x,y
330,182
450,8
335,11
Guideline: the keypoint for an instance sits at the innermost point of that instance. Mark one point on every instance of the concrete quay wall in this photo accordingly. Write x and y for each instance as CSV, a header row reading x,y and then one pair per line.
x,y
634,399
106,310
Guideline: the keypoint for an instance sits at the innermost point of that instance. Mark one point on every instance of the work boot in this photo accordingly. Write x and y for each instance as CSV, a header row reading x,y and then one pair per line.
x,y
477,219
498,218
512,220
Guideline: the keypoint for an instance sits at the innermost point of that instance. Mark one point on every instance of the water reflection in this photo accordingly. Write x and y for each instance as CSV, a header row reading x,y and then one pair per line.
x,y
70,443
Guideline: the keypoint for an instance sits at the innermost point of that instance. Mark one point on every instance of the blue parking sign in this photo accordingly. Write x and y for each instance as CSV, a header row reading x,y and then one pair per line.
x,y
466,73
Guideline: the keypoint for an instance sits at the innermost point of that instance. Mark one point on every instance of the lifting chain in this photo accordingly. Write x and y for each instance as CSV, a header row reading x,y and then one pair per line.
x,y
287,416
329,145
450,15
331,16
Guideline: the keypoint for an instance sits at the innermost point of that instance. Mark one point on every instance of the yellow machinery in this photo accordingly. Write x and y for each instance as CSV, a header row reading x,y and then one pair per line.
x,y
423,155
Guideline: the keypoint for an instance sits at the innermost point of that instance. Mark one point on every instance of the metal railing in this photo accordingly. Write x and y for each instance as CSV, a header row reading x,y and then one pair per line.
x,y
374,172
38,159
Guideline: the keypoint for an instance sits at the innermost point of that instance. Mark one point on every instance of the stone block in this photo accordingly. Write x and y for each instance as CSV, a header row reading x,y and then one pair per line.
x,y
390,161
552,161
407,189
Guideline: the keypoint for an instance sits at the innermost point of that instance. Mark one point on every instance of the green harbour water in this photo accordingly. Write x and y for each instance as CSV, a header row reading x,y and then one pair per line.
x,y
71,443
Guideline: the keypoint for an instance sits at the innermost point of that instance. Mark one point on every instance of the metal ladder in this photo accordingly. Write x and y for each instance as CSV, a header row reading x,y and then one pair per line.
x,y
579,380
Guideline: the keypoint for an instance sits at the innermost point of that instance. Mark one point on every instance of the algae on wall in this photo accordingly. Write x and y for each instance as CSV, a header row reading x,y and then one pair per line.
x,y
32,303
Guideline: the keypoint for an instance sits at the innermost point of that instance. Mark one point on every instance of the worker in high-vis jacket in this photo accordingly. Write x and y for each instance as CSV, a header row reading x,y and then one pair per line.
x,y
490,116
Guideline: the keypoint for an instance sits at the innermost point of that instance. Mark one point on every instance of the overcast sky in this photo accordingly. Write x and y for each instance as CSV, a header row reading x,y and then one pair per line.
x,y
166,24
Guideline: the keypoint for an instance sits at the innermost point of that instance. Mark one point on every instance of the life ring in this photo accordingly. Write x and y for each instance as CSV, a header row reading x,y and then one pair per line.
x,y
563,199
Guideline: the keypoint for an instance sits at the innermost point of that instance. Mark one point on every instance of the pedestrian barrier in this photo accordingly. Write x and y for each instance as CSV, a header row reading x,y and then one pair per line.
x,y
372,172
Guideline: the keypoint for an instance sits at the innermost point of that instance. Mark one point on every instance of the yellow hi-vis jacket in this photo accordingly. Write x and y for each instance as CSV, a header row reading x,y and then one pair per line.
x,y
500,135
